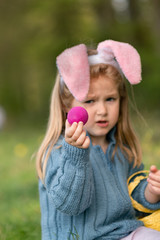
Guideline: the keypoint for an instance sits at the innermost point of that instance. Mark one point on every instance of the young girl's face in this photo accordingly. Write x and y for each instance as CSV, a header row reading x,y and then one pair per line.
x,y
102,104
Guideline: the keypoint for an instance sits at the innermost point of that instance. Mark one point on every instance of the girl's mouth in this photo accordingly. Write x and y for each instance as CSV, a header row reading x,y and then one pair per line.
x,y
102,123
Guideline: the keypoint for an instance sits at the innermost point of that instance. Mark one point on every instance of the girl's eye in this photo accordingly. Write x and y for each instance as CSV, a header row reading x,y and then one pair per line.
x,y
89,101
110,99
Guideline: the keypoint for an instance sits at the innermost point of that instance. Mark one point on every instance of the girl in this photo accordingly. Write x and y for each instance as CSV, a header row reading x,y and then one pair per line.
x,y
83,170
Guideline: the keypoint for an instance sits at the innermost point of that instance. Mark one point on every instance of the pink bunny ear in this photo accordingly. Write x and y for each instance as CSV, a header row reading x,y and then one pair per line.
x,y
74,70
127,58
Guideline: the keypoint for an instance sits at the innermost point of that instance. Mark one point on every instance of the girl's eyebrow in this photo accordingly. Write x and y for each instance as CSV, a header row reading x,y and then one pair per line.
x,y
113,94
108,94
92,95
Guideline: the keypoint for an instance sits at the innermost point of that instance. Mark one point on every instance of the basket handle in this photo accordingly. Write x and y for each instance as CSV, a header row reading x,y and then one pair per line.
x,y
132,186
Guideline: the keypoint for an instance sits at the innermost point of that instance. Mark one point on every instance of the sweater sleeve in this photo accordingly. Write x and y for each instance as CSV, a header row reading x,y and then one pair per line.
x,y
69,182
139,195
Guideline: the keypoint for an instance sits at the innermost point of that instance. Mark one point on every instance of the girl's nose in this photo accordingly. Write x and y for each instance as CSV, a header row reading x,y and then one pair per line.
x,y
102,109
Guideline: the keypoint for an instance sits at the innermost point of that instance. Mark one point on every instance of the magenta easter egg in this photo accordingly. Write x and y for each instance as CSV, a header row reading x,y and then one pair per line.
x,y
77,114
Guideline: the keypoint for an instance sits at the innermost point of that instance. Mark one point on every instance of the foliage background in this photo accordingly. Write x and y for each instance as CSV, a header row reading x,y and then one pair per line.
x,y
33,33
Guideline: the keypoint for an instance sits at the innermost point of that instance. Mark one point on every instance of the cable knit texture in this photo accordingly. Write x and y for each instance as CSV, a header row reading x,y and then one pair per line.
x,y
86,191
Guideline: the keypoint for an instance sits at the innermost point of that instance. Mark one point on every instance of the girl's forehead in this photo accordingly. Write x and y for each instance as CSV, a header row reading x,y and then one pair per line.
x,y
102,82
102,86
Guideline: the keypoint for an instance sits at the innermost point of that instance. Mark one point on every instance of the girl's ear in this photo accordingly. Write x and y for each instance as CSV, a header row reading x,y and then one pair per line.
x,y
127,58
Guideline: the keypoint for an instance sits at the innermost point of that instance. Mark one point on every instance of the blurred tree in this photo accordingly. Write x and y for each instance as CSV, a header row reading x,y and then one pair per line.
x,y
105,17
156,22
133,9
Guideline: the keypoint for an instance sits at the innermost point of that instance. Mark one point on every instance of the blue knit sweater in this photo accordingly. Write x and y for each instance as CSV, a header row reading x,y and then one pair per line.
x,y
86,191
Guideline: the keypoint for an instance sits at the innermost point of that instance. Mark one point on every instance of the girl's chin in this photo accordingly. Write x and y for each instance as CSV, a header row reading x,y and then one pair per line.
x,y
98,134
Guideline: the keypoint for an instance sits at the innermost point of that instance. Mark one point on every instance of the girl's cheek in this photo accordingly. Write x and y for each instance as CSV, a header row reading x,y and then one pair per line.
x,y
87,125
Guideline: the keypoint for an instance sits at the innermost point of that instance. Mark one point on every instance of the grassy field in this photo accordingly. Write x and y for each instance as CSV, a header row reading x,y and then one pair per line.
x,y
19,208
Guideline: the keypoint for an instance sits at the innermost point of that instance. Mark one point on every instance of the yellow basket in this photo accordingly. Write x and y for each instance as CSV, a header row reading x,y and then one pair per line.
x,y
153,219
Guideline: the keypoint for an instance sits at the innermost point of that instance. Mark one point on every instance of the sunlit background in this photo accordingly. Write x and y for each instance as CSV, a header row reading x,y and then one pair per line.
x,y
32,34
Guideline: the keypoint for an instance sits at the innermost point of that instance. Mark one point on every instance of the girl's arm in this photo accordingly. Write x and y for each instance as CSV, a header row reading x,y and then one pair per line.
x,y
152,191
143,192
69,178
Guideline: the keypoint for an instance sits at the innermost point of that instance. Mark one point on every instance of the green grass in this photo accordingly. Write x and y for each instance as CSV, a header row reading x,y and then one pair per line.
x,y
19,208
149,135
19,201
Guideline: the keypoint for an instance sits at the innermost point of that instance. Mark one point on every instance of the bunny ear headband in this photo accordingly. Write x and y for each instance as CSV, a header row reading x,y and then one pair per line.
x,y
74,64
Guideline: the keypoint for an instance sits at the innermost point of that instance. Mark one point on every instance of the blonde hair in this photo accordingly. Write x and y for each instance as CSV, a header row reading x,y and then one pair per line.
x,y
61,99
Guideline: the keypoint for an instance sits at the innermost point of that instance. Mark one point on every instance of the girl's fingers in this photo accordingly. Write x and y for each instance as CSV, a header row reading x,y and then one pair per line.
x,y
154,189
153,168
80,140
83,141
78,131
86,142
70,129
76,136
155,177
153,183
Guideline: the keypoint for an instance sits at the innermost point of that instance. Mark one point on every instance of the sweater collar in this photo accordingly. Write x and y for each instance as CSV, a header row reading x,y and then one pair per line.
x,y
110,136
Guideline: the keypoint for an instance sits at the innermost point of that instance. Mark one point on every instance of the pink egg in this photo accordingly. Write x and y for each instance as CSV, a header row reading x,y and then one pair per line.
x,y
77,114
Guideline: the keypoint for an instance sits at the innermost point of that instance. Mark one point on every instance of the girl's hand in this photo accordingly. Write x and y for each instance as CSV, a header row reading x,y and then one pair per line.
x,y
76,135
152,192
